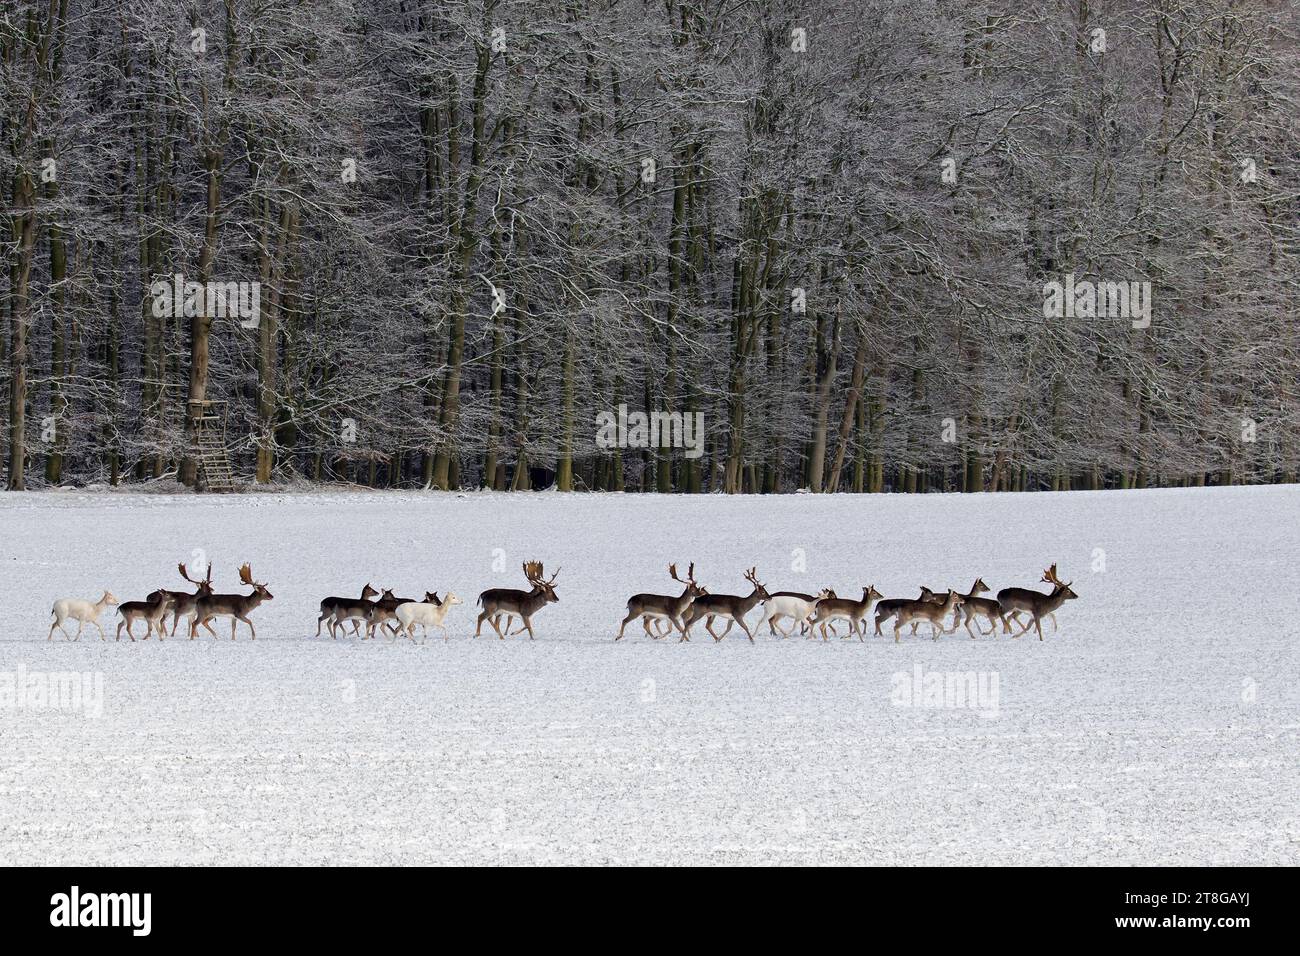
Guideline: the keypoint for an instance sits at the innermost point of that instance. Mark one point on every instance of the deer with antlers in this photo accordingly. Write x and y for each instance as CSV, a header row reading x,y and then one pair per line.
x,y
830,609
512,601
1037,605
330,605
182,602
237,607
732,607
663,607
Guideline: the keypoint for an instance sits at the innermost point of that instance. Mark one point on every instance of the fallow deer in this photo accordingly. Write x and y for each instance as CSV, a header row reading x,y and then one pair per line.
x,y
853,611
384,613
237,607
152,611
331,604
83,612
182,602
973,607
1015,600
663,607
427,613
889,607
792,604
733,607
512,601
926,610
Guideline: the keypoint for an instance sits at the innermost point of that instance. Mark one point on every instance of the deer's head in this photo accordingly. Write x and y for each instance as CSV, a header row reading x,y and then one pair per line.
x,y
693,587
259,587
533,571
368,592
1058,586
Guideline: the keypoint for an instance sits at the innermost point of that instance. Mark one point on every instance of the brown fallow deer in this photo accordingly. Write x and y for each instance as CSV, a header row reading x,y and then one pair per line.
x,y
663,607
733,607
852,611
356,612
890,606
182,602
978,587
1038,605
792,604
384,612
974,607
152,611
332,604
237,607
926,610
512,601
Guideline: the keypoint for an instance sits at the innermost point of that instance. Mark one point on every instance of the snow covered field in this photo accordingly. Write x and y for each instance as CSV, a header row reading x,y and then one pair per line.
x,y
1160,725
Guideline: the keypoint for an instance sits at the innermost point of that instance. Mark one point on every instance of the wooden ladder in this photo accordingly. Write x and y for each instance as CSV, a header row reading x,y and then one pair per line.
x,y
210,453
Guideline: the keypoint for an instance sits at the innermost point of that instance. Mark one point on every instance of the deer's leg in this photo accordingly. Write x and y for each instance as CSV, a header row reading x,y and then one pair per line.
x,y
630,616
898,623
1038,626
861,627
968,630
879,620
80,625
744,627
52,627
1053,617
528,623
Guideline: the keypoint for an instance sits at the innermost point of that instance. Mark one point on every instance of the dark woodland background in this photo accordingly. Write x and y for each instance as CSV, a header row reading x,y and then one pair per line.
x,y
654,188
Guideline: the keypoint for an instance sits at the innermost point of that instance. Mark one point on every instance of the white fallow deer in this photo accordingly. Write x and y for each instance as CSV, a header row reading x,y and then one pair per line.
x,y
732,607
1013,601
832,609
152,611
792,604
330,605
427,613
927,610
83,612
663,607
514,602
237,607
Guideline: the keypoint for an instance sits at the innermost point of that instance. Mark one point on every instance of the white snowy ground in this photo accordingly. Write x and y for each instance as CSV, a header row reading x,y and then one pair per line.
x,y
1160,725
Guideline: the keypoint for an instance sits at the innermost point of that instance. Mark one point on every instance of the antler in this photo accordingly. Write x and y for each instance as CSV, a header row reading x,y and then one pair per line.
x,y
185,573
532,570
552,578
672,571
752,575
1050,575
690,573
246,575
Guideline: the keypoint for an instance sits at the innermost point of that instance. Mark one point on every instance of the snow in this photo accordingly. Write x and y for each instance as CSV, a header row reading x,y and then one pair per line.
x,y
1158,727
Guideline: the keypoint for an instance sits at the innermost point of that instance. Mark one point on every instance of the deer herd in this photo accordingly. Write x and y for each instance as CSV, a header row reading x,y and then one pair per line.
x,y
815,615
